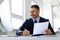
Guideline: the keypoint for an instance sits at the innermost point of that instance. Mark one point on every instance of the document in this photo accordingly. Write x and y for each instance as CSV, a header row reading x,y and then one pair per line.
x,y
39,28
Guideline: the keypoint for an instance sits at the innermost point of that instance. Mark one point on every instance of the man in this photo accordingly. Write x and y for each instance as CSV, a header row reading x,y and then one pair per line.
x,y
27,27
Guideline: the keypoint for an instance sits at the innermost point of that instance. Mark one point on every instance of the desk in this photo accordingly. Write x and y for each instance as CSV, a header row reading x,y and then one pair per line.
x,y
32,38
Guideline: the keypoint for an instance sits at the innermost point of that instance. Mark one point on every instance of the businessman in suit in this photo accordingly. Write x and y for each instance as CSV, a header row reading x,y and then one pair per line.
x,y
27,28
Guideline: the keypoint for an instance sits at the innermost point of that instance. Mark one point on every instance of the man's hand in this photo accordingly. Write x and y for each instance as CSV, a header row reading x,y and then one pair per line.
x,y
48,32
26,32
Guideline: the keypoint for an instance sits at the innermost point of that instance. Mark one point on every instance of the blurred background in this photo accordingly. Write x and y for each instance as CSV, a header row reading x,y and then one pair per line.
x,y
14,12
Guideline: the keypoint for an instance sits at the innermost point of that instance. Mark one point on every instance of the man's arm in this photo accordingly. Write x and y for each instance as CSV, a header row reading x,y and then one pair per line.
x,y
21,29
19,33
51,29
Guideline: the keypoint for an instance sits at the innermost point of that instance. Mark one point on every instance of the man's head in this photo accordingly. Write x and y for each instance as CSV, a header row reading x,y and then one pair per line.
x,y
34,11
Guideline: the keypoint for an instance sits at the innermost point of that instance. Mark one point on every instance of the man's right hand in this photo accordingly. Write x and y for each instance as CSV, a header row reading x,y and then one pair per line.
x,y
26,32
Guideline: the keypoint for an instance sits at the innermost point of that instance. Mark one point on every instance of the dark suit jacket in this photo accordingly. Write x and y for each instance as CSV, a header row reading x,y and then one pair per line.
x,y
29,25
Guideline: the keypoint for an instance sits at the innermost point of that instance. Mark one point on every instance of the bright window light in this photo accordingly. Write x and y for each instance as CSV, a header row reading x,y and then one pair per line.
x,y
17,6
16,23
56,17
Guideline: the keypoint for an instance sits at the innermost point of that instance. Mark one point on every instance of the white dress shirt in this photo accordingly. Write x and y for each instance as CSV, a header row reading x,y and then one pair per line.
x,y
37,19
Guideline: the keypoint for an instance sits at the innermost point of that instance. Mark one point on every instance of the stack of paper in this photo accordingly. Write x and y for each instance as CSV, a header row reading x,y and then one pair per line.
x,y
39,28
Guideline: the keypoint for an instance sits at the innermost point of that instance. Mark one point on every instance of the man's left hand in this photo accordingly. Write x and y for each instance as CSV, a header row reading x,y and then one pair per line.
x,y
48,32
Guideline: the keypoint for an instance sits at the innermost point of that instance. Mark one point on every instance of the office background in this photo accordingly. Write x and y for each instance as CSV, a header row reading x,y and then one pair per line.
x,y
14,12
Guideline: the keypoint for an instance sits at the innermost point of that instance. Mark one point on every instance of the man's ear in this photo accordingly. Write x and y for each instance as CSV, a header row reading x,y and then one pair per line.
x,y
39,12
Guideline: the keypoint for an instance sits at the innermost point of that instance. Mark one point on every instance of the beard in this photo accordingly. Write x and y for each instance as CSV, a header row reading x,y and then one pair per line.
x,y
33,16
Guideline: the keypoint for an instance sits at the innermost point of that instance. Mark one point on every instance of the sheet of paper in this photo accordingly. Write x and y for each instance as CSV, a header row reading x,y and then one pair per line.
x,y
39,28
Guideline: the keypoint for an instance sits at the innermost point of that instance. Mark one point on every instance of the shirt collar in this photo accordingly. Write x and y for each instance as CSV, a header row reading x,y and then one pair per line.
x,y
36,19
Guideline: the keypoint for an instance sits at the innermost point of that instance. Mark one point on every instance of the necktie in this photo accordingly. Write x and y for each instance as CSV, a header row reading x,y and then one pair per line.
x,y
35,21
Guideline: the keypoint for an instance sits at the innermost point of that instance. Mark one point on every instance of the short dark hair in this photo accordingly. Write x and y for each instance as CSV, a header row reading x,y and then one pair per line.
x,y
35,6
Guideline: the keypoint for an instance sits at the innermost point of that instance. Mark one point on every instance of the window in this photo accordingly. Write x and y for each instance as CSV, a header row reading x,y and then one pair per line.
x,y
56,17
5,16
17,10
16,23
17,6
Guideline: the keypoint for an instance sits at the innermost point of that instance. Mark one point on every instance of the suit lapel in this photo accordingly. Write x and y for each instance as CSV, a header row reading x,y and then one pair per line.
x,y
31,20
40,20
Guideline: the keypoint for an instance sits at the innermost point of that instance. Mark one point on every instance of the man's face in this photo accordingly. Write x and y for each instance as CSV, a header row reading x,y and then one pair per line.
x,y
34,13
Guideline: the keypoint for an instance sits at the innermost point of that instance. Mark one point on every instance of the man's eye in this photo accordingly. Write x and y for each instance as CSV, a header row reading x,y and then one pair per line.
x,y
33,11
